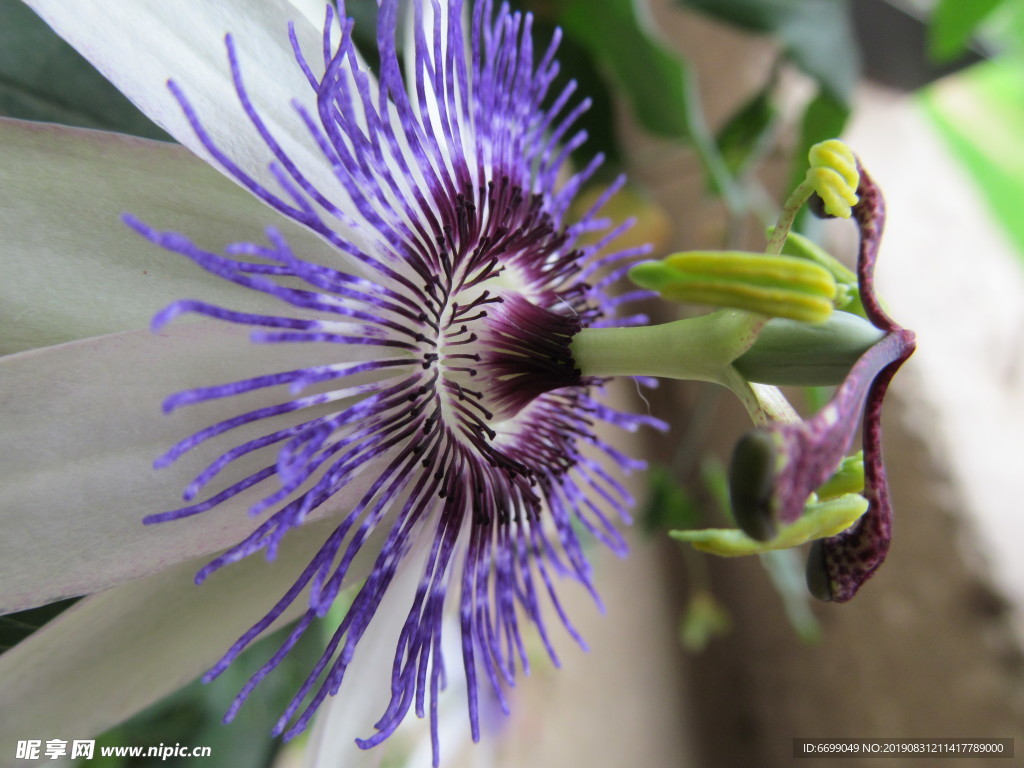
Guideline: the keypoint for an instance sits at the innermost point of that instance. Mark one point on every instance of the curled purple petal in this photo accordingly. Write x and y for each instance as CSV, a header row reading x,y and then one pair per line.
x,y
776,468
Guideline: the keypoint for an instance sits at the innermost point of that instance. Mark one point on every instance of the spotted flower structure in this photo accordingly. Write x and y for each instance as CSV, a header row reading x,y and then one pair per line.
x,y
790,480
838,565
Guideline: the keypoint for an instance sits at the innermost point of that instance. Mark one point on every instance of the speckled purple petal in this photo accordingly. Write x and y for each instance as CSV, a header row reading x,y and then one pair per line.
x,y
776,468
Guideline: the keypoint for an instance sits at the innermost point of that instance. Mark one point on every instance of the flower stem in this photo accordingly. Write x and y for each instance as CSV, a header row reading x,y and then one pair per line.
x,y
697,349
793,205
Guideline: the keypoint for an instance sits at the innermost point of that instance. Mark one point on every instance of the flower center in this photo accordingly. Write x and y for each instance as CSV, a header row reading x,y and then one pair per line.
x,y
497,351
502,306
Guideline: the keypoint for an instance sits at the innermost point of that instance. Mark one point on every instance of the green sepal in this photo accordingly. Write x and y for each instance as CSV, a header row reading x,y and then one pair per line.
x,y
821,519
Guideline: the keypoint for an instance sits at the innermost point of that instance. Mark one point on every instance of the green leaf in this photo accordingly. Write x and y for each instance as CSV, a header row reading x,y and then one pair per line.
x,y
657,82
816,35
669,505
654,80
979,115
15,627
43,78
705,619
763,16
820,41
747,134
577,63
953,23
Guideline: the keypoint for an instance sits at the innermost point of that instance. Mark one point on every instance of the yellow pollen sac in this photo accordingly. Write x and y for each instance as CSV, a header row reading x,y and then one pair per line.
x,y
834,176
776,286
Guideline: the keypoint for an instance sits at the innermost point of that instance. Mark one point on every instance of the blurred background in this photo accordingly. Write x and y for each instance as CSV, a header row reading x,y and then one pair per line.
x,y
710,106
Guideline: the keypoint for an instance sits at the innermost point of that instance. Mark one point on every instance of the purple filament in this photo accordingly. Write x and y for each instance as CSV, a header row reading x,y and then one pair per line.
x,y
462,411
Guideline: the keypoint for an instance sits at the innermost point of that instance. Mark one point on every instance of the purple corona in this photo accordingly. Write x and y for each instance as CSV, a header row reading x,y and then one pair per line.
x,y
452,402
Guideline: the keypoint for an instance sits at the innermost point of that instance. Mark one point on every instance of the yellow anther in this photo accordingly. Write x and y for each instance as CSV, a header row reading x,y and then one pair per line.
x,y
777,286
834,176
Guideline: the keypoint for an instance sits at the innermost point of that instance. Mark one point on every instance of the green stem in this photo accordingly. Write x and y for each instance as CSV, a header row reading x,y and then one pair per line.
x,y
789,211
764,404
697,349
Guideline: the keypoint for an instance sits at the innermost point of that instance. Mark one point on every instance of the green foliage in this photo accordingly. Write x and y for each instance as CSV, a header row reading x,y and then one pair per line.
x,y
43,78
981,119
752,15
15,627
815,35
953,23
747,134
669,505
824,118
658,83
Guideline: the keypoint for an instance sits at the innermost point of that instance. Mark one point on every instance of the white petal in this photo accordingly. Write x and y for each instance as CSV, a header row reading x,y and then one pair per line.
x,y
80,426
73,270
139,45
116,652
421,18
313,10
366,689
